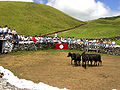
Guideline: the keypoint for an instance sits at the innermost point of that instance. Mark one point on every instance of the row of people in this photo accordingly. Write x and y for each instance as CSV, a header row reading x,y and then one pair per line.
x,y
7,33
6,30
64,40
11,35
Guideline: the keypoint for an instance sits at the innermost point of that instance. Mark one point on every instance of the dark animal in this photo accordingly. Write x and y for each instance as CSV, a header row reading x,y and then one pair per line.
x,y
78,58
91,57
84,59
96,58
72,55
75,57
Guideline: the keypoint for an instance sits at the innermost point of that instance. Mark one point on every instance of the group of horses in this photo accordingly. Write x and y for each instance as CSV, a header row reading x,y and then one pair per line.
x,y
85,58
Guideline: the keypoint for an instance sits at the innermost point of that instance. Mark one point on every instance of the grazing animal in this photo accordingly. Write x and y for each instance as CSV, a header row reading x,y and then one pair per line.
x,y
75,57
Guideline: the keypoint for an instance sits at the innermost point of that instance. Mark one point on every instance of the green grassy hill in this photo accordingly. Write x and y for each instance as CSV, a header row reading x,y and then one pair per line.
x,y
33,18
100,28
37,19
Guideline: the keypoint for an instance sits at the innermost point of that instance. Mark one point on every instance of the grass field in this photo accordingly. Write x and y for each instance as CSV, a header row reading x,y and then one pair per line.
x,y
34,19
37,19
100,28
53,67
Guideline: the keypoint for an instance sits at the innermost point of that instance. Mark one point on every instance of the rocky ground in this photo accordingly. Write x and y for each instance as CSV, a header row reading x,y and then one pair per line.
x,y
4,85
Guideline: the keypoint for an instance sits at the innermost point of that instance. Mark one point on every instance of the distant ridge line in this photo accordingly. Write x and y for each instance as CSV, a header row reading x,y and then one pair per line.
x,y
77,26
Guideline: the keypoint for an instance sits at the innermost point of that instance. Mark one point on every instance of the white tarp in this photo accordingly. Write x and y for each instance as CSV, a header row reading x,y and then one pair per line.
x,y
22,83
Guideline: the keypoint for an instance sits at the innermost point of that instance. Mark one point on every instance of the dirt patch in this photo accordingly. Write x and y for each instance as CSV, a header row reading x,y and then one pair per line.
x,y
54,68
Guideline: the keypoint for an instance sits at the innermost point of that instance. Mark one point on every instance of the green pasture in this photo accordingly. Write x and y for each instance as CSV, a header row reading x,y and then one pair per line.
x,y
37,19
34,19
93,30
100,28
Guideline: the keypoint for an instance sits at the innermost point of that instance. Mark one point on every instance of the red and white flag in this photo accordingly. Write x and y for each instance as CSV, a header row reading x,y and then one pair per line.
x,y
61,46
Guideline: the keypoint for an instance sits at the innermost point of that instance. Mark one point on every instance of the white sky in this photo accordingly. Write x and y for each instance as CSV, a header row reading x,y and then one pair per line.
x,y
83,9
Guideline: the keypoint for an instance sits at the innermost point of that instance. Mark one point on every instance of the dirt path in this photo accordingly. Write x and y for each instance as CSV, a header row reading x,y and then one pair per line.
x,y
54,68
65,29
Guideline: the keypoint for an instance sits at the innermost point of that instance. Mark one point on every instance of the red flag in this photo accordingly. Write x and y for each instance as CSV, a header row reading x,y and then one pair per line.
x,y
61,46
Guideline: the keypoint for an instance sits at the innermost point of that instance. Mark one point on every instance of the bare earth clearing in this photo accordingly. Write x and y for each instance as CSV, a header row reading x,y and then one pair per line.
x,y
53,68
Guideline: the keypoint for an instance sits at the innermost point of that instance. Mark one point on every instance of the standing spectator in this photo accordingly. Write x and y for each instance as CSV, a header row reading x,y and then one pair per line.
x,y
25,38
109,42
81,42
22,38
101,42
98,41
7,36
113,43
104,42
86,42
14,32
5,30
9,30
1,31
15,37
55,35
37,39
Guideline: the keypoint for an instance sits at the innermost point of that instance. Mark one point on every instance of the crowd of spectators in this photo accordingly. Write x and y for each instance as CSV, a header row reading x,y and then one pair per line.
x,y
7,33
11,35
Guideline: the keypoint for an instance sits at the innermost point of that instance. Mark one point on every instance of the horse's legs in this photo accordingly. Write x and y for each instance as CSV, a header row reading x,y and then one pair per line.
x,y
71,61
91,62
85,64
82,63
101,62
75,62
94,63
98,63
79,63
88,62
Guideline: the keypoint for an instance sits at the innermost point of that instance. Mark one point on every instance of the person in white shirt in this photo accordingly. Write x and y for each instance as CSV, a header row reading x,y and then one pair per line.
x,y
14,32
25,38
37,38
22,37
113,43
5,30
30,38
1,31
55,35
7,36
9,30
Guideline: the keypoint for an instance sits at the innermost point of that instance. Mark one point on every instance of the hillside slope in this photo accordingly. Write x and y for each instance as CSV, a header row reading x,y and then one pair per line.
x,y
33,18
100,28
